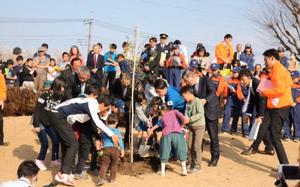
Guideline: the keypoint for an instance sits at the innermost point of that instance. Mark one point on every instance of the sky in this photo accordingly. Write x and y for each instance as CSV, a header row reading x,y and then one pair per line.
x,y
191,21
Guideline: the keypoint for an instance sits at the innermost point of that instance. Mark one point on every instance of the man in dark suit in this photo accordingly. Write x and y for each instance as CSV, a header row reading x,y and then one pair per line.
x,y
205,90
85,80
163,53
71,77
95,61
258,103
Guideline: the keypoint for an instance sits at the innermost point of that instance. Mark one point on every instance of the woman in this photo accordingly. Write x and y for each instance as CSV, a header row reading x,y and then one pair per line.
x,y
46,102
202,56
247,58
74,53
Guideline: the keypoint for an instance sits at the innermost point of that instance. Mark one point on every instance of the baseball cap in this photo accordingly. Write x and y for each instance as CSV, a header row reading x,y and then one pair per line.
x,y
248,45
280,49
236,69
194,63
295,74
214,66
41,49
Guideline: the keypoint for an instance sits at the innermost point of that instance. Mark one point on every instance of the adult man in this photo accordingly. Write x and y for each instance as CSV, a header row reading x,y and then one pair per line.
x,y
163,52
152,58
84,80
71,77
282,58
27,175
236,55
258,103
46,47
279,99
224,52
95,61
2,99
205,90
41,62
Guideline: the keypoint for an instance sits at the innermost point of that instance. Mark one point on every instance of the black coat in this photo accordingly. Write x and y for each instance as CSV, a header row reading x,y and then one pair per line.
x,y
99,65
71,83
206,90
91,81
256,101
118,92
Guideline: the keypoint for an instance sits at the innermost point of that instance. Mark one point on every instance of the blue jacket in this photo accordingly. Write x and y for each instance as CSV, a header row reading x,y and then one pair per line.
x,y
107,141
113,56
174,99
284,62
249,59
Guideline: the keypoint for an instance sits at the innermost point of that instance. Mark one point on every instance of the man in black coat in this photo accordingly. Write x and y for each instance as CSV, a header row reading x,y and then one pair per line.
x,y
258,103
85,80
95,61
205,90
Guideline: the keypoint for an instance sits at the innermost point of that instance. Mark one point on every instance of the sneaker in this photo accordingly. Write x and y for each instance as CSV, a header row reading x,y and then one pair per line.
x,y
296,140
81,176
100,182
194,169
160,173
55,163
41,165
286,139
65,179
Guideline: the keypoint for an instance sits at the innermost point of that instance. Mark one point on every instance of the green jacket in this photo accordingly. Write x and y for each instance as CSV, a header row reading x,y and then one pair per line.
x,y
195,112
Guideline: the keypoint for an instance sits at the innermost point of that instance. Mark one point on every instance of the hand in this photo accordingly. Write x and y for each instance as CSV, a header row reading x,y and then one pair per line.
x,y
224,101
115,139
36,129
2,105
147,68
187,121
122,154
150,132
293,104
258,120
203,101
260,93
94,70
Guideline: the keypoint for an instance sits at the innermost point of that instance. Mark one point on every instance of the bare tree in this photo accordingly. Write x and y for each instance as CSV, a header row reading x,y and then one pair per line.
x,y
281,19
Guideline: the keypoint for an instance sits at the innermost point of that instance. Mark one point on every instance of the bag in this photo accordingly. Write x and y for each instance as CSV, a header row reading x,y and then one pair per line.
x,y
144,148
254,131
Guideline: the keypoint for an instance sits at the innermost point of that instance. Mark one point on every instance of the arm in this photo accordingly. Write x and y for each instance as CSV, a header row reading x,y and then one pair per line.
x,y
140,114
179,115
279,85
198,114
93,109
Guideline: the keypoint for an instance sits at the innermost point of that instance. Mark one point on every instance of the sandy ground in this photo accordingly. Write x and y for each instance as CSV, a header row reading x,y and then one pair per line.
x,y
233,168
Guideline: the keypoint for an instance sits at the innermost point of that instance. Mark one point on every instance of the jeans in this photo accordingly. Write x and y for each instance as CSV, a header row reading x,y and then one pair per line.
x,y
42,135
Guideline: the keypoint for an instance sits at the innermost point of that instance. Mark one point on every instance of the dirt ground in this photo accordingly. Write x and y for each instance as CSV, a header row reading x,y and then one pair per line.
x,y
233,169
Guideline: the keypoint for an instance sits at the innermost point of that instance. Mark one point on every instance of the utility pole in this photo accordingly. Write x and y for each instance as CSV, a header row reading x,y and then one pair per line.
x,y
137,35
89,21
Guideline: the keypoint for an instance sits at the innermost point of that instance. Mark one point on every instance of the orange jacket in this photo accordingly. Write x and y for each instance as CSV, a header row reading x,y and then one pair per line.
x,y
182,60
223,52
238,91
280,95
220,82
2,88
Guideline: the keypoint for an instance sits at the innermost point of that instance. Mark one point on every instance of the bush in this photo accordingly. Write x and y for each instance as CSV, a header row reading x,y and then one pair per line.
x,y
19,102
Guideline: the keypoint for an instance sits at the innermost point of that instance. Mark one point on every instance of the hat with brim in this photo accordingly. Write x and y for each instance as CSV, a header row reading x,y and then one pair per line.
x,y
41,49
163,36
214,66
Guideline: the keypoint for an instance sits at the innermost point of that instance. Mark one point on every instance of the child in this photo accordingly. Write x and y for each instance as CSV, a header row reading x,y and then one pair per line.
x,y
111,152
110,68
195,114
53,72
10,74
18,68
172,135
28,74
149,88
142,122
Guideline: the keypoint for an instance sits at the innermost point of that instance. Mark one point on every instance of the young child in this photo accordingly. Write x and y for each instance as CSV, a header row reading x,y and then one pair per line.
x,y
111,153
142,122
53,72
18,68
149,88
194,112
28,74
172,136
110,68
10,74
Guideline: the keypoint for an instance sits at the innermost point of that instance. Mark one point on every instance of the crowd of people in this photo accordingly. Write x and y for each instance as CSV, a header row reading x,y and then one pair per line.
x,y
177,96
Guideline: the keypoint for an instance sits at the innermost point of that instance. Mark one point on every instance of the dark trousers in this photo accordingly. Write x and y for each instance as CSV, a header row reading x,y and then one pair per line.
x,y
264,134
1,128
68,141
110,158
278,116
212,129
174,77
42,135
85,144
127,129
109,78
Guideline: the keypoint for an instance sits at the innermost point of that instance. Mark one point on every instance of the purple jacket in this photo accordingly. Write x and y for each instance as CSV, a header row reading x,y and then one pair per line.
x,y
170,122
